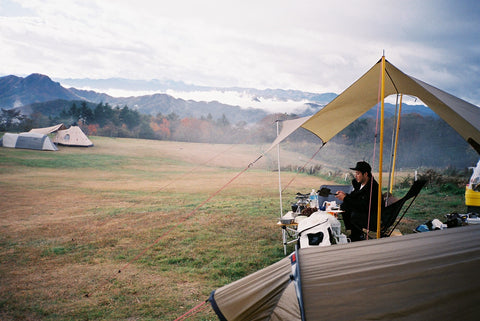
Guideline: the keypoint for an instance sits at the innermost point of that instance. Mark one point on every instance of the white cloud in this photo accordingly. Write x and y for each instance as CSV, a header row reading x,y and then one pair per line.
x,y
317,46
244,100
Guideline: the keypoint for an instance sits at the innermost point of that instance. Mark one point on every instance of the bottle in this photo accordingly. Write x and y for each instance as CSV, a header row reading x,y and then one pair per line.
x,y
313,199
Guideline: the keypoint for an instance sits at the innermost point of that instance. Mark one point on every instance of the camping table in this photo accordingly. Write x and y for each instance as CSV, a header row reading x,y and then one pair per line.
x,y
289,234
289,231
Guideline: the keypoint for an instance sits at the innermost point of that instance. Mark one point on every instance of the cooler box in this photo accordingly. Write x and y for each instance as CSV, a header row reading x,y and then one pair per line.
x,y
472,200
472,192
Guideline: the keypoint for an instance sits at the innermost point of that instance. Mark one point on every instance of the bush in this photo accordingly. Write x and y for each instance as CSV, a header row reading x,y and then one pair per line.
x,y
448,179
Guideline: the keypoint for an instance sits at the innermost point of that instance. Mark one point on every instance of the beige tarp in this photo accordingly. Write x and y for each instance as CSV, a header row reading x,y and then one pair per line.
x,y
425,276
48,130
72,136
362,95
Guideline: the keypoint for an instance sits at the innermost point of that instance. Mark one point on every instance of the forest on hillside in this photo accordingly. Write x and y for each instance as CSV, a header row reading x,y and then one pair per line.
x,y
423,141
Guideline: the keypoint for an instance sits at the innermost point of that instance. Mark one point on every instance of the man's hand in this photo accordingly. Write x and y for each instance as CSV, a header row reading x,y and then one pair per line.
x,y
340,195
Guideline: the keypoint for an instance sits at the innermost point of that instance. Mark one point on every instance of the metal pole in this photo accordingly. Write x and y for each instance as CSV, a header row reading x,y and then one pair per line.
x,y
279,176
380,165
284,231
396,143
392,146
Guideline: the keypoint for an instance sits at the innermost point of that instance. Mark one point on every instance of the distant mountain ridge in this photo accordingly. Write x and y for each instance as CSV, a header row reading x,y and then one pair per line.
x,y
165,85
39,93
166,104
17,91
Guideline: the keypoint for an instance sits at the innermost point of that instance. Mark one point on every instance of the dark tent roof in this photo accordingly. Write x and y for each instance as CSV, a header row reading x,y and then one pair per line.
x,y
412,277
423,276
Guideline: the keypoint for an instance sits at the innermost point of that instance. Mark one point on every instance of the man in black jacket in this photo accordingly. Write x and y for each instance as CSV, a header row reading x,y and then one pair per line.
x,y
360,206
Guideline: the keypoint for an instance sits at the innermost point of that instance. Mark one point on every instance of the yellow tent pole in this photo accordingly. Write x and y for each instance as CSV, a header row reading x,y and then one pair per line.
x,y
396,143
380,160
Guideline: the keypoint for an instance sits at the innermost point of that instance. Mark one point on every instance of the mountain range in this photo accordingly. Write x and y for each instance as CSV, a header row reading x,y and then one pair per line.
x,y
156,85
39,93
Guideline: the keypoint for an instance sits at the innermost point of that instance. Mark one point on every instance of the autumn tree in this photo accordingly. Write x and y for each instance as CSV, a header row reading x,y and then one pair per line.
x,y
161,127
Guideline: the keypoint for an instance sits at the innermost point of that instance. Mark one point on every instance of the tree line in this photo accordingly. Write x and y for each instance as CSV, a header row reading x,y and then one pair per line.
x,y
423,140
105,120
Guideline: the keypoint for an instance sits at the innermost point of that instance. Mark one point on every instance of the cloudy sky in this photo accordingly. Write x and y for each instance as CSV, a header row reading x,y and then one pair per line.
x,y
317,46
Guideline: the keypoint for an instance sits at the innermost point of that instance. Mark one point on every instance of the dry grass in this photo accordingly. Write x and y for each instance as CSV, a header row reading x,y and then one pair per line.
x,y
70,220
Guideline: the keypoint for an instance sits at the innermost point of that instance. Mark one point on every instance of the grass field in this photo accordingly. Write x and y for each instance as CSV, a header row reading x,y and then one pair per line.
x,y
115,232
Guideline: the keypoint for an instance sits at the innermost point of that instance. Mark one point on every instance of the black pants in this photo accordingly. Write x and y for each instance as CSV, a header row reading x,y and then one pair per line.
x,y
355,222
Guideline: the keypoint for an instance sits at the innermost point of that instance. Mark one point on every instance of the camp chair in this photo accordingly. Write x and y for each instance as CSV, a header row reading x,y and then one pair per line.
x,y
391,212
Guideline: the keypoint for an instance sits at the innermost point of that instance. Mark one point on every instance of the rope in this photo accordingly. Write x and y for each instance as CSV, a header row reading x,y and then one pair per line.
x,y
200,307
179,222
126,208
298,172
193,169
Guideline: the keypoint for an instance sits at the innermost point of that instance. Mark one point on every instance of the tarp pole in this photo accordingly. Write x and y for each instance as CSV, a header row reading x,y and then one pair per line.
x,y
279,176
396,143
284,231
392,146
380,160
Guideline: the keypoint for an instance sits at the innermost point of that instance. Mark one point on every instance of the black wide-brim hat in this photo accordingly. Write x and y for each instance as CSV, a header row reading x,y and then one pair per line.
x,y
363,167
